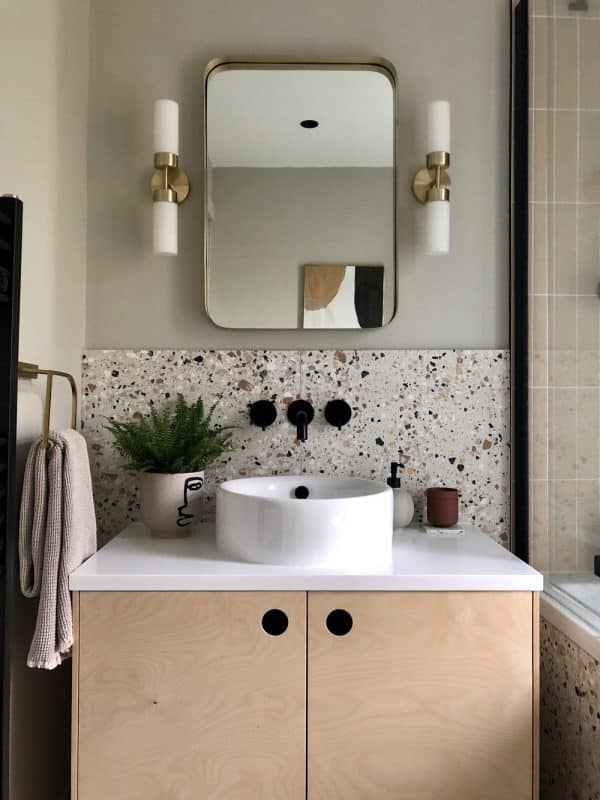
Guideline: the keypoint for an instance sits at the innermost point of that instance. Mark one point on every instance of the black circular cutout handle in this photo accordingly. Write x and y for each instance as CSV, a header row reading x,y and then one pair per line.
x,y
339,622
275,622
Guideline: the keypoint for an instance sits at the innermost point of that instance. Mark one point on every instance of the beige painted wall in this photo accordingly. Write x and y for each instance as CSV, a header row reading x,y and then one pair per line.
x,y
457,50
43,86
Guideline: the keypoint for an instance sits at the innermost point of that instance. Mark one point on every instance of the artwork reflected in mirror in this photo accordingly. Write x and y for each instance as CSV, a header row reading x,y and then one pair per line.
x,y
300,167
339,296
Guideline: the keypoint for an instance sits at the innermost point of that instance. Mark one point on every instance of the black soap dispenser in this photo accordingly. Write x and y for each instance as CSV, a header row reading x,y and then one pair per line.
x,y
404,507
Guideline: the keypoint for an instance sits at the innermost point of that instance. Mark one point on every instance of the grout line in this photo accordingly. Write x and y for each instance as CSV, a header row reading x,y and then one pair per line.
x,y
559,387
583,109
563,294
564,480
566,16
564,202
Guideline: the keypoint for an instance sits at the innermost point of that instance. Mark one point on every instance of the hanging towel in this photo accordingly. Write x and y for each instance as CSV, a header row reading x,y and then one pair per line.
x,y
57,533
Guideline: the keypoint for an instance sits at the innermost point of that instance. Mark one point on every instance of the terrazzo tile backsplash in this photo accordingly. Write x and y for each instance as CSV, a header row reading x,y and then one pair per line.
x,y
443,414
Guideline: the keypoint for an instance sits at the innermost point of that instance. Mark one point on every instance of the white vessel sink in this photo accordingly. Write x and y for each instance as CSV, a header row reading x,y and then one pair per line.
x,y
342,524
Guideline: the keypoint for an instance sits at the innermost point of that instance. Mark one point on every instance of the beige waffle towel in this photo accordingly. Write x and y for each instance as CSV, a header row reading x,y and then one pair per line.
x,y
57,534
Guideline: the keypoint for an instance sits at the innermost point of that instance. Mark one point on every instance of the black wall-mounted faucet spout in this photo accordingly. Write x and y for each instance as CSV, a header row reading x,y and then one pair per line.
x,y
300,413
301,426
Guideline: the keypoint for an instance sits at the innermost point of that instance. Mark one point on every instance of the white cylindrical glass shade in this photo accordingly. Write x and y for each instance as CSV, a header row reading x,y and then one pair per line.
x,y
166,126
165,228
437,228
438,126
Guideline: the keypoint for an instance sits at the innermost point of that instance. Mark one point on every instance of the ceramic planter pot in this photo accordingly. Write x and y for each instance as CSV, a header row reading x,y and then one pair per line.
x,y
171,504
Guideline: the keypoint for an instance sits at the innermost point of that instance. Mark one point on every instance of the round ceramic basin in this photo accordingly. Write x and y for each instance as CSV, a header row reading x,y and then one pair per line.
x,y
342,524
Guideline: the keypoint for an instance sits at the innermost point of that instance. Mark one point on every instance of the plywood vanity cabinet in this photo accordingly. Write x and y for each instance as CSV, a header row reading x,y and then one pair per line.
x,y
182,695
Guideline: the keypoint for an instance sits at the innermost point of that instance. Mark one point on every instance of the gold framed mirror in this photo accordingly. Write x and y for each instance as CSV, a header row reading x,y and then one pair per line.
x,y
300,193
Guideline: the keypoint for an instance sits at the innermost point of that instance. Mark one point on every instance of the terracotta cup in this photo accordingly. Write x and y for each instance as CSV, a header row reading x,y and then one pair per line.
x,y
442,506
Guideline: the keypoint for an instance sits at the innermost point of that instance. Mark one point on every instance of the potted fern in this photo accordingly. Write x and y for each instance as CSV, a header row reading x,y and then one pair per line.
x,y
170,449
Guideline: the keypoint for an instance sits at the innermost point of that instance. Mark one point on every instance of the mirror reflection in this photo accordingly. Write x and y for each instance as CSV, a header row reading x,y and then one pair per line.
x,y
300,216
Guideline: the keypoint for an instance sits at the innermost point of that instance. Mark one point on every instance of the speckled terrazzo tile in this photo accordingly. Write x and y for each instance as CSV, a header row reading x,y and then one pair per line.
x,y
589,720
561,735
443,414
483,368
120,383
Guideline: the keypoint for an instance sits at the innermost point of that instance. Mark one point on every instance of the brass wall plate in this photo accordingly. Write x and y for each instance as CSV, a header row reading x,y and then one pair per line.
x,y
177,180
425,180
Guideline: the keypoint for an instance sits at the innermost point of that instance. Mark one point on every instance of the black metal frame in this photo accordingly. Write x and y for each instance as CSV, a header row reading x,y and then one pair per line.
x,y
519,280
11,221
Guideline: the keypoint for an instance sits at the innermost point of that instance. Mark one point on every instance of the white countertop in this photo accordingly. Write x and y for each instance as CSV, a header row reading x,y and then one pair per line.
x,y
421,562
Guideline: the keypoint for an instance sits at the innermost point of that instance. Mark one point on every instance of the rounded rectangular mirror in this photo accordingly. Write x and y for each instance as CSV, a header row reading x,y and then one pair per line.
x,y
300,163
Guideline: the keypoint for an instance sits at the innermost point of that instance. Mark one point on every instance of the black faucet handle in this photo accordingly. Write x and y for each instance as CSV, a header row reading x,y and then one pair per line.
x,y
300,413
338,413
263,413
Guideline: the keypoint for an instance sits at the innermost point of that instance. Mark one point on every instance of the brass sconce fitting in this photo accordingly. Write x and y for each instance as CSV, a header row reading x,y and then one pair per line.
x,y
169,183
433,182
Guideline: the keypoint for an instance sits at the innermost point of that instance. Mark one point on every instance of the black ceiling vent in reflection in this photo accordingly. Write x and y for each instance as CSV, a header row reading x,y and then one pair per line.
x,y
309,123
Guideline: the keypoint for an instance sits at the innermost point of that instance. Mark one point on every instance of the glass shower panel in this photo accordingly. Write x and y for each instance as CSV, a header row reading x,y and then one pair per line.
x,y
564,305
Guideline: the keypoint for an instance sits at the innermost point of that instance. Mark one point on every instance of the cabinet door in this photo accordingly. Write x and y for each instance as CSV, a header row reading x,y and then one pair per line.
x,y
184,696
428,696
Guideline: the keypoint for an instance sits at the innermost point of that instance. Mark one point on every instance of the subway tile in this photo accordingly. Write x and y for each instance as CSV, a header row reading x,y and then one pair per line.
x,y
588,523
539,498
565,70
589,43
530,68
588,438
530,248
543,7
543,58
589,160
542,129
563,341
563,433
539,246
563,522
539,404
588,341
531,145
564,241
588,234
538,320
564,156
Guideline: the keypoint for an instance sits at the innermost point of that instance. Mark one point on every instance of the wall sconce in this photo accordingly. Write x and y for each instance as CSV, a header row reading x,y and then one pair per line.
x,y
431,185
170,185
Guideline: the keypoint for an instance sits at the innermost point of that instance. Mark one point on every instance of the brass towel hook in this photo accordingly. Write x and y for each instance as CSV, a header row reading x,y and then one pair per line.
x,y
27,370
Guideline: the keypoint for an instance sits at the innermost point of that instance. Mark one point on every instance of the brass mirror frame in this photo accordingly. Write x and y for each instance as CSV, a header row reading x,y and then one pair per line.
x,y
373,63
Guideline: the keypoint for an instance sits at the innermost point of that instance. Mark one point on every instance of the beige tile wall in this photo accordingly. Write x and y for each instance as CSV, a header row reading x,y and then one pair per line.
x,y
564,277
